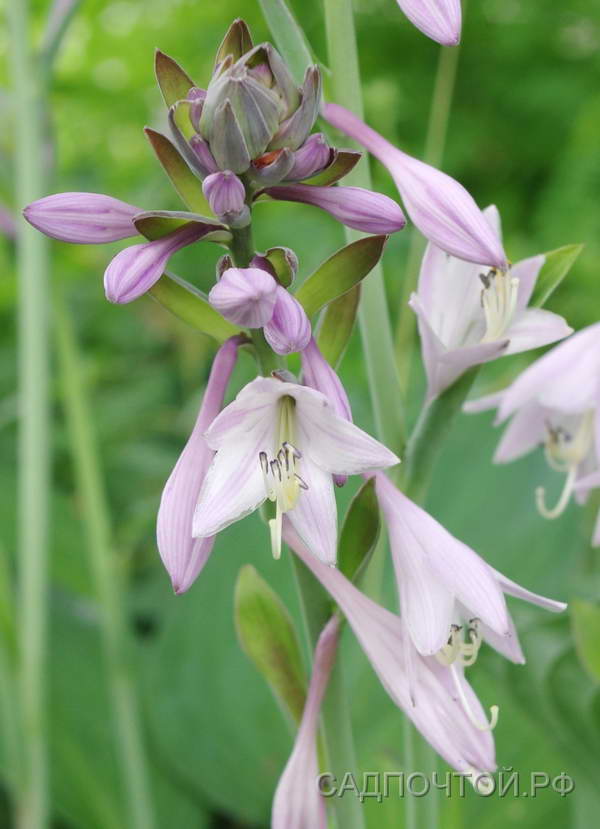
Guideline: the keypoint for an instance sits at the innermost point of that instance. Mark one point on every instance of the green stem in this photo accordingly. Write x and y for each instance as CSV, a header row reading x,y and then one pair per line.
x,y
374,320
338,741
104,567
435,143
34,446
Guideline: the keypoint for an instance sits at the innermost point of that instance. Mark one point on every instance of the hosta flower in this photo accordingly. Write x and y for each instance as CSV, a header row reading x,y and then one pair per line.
x,y
439,206
83,218
283,442
422,687
451,599
298,804
185,556
440,20
469,314
555,403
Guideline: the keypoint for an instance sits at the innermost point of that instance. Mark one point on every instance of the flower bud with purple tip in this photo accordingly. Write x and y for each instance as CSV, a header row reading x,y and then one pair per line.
x,y
288,330
227,198
83,218
245,296
313,156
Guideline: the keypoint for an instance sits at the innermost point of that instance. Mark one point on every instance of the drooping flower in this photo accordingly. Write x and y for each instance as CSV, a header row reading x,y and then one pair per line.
x,y
288,330
298,804
469,314
420,686
443,584
353,206
283,442
439,206
441,20
555,403
185,556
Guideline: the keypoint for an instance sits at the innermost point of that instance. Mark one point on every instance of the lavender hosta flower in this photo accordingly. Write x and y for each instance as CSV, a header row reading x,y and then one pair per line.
x,y
245,296
555,403
443,583
448,719
441,20
283,442
312,157
439,206
134,270
469,314
185,556
227,198
82,218
353,206
298,804
288,330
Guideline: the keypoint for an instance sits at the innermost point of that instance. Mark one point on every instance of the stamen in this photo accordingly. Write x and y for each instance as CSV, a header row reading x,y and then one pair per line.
x,y
459,650
564,452
498,300
494,710
561,505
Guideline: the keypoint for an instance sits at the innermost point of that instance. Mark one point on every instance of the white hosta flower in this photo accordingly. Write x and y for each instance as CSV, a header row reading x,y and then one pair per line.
x,y
470,314
555,403
283,442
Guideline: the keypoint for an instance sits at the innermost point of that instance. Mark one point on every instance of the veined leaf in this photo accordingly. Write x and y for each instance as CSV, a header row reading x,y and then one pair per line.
x,y
557,265
267,635
190,305
182,178
173,81
336,325
340,273
360,532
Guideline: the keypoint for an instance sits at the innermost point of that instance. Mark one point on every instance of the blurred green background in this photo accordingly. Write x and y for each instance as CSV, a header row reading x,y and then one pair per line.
x,y
524,133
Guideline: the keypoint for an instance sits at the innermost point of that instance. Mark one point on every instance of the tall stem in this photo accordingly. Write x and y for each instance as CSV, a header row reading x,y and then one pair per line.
x,y
435,143
375,327
104,567
34,450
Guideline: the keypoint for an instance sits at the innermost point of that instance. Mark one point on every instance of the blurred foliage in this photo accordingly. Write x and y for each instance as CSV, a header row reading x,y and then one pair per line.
x,y
524,133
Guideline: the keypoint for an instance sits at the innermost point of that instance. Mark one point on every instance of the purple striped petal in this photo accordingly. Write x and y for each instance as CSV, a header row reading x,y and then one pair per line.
x,y
134,270
319,375
441,20
298,804
440,207
185,556
83,218
288,330
245,296
353,206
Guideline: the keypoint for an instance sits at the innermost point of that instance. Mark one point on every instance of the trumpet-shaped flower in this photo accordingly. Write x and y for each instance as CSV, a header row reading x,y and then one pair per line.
x,y
443,583
555,403
298,804
469,314
421,687
283,442
185,556
439,206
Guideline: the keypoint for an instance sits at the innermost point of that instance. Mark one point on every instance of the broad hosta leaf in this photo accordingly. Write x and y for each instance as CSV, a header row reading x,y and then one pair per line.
x,y
187,303
337,324
267,635
360,532
173,81
183,179
154,224
585,618
557,265
343,162
340,272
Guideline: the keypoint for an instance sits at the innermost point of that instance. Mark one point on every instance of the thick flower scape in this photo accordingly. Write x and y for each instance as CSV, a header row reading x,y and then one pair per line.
x,y
284,442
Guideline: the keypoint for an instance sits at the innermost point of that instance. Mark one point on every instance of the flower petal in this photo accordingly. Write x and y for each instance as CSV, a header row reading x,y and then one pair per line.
x,y
527,271
315,515
511,588
82,218
288,329
440,20
525,431
534,328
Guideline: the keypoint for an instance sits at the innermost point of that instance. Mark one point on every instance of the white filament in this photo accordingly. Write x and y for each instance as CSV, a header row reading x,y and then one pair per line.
x,y
498,300
494,710
564,452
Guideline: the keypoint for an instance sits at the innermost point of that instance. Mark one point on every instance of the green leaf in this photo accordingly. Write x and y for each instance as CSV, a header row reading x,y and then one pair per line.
x,y
557,265
182,178
585,619
360,532
268,638
337,324
340,272
343,162
154,224
187,303
173,81
180,117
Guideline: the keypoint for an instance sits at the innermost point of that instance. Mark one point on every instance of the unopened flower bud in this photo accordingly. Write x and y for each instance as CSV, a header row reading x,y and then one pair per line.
x,y
289,329
226,196
245,296
312,156
82,218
